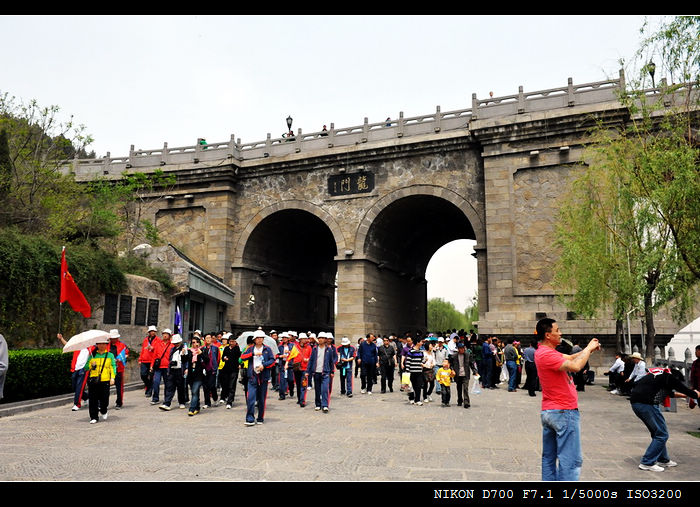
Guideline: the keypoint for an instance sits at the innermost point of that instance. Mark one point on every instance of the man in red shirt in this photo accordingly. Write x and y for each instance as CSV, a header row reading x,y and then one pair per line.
x,y
160,362
561,433
146,358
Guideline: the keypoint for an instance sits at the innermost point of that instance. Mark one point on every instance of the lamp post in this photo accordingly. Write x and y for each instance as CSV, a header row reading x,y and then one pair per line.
x,y
289,123
651,67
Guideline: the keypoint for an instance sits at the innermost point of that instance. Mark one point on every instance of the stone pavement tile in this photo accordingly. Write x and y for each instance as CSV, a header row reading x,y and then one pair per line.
x,y
365,438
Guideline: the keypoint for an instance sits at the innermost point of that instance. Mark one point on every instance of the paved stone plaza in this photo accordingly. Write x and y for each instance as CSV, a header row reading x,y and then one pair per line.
x,y
366,438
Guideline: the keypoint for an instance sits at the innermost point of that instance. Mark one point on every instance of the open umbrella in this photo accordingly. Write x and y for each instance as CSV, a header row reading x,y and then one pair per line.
x,y
267,340
84,340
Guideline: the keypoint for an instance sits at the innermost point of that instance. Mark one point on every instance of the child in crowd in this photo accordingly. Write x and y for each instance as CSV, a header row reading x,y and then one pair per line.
x,y
445,374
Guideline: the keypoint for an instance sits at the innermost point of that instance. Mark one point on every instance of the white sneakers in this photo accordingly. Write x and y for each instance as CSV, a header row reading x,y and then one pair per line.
x,y
364,391
104,417
93,421
75,407
668,463
658,466
615,391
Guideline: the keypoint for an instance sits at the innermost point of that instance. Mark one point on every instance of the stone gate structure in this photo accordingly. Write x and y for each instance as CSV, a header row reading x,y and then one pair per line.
x,y
288,223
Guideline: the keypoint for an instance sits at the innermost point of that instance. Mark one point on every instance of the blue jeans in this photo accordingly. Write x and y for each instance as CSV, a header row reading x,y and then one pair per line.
x,y
654,420
158,373
561,440
321,385
257,394
78,383
512,374
194,400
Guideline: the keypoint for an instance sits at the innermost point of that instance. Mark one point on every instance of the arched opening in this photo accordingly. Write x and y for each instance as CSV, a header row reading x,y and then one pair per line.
x,y
401,240
288,273
452,276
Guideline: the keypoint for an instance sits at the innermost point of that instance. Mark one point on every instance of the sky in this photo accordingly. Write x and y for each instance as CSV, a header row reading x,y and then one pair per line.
x,y
146,80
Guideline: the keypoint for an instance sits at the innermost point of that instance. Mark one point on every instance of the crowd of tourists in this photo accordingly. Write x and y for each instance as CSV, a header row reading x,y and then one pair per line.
x,y
208,370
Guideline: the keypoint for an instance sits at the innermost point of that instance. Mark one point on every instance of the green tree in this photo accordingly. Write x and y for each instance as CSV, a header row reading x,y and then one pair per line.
x,y
628,227
443,315
38,198
471,313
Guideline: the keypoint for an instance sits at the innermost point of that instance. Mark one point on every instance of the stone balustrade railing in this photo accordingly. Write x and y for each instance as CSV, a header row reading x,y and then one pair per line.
x,y
219,153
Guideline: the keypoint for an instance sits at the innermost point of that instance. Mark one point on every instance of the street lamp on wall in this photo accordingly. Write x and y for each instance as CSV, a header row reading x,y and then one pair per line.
x,y
289,123
651,67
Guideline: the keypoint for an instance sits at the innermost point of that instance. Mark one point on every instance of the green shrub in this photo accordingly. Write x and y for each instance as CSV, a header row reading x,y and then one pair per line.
x,y
37,374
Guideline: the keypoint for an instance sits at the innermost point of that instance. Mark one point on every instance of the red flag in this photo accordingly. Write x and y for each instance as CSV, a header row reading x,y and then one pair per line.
x,y
70,291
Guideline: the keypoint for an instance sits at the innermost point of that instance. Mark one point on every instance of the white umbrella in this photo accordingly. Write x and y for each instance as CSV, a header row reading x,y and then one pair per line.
x,y
84,340
267,340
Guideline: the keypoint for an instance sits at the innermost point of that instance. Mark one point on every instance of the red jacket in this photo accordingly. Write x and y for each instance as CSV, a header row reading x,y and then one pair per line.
x,y
304,355
161,351
147,355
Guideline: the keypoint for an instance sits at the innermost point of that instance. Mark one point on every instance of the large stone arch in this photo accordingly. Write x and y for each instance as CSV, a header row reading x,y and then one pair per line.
x,y
294,204
284,267
381,285
451,196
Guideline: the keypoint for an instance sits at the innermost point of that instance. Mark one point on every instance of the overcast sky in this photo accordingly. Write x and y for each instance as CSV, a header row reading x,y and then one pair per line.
x,y
145,80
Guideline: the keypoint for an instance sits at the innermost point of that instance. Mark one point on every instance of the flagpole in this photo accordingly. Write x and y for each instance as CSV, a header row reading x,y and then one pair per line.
x,y
60,284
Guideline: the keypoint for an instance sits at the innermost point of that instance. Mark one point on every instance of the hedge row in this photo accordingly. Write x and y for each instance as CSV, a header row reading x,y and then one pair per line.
x,y
37,374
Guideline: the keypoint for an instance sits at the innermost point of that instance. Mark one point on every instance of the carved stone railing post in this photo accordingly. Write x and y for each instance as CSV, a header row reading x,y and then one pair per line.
x,y
570,91
365,130
400,125
521,100
106,164
331,136
475,107
130,164
438,119
165,155
297,148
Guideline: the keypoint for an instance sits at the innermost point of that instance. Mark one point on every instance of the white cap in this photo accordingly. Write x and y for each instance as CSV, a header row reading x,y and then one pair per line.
x,y
302,335
259,333
345,341
153,328
114,333
169,331
176,338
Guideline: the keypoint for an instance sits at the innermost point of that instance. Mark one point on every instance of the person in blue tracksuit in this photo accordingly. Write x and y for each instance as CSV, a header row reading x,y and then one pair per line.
x,y
260,360
321,367
346,356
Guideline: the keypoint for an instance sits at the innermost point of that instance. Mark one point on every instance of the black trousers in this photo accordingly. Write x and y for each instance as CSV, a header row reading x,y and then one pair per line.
x,y
228,385
209,388
445,394
462,390
175,383
98,398
417,380
368,375
531,377
387,372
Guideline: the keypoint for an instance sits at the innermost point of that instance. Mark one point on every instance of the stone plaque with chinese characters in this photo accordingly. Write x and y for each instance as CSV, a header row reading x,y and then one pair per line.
x,y
347,184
